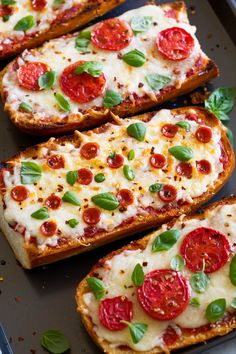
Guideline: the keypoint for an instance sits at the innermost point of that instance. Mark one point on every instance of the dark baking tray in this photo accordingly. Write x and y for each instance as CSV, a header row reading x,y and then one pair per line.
x,y
32,302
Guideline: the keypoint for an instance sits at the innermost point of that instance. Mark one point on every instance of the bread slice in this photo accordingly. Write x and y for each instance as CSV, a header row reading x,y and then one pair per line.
x,y
136,95
52,21
122,163
191,326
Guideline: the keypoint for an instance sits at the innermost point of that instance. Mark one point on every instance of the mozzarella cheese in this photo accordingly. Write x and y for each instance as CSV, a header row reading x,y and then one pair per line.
x,y
120,77
116,275
114,139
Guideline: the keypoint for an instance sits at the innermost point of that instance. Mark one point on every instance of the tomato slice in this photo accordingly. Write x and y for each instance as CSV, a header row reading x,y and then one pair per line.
x,y
56,161
125,197
81,88
175,43
112,34
29,73
6,10
19,193
169,130
85,176
170,336
194,117
164,294
48,228
89,151
204,134
204,167
205,246
116,161
113,310
39,5
91,216
157,160
168,193
53,202
184,169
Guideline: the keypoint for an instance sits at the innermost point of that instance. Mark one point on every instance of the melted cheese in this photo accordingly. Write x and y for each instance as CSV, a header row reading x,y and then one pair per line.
x,y
116,275
114,139
120,77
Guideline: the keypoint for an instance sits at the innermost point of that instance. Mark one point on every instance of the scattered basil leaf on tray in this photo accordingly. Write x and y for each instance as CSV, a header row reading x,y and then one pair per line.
x,y
215,310
138,275
47,80
156,81
137,131
165,240
137,330
199,282
26,107
128,173
112,99
93,68
232,270
30,172
71,177
97,287
141,23
181,153
106,201
71,198
177,263
25,23
221,102
62,102
40,214
55,342
134,58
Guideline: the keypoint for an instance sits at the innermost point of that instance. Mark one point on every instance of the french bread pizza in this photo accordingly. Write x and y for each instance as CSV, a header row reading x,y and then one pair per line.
x,y
72,194
171,289
29,23
123,65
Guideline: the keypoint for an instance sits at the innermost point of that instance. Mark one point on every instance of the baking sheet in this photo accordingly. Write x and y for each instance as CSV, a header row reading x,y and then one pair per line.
x,y
32,302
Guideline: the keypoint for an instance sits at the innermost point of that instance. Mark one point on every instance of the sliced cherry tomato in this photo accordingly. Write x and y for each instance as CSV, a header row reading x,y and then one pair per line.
x,y
194,117
53,202
168,193
39,5
6,10
116,161
205,248
164,294
89,151
112,34
48,228
81,88
204,167
91,216
157,160
175,43
169,130
170,336
125,197
56,161
184,169
204,134
29,73
85,176
114,310
19,193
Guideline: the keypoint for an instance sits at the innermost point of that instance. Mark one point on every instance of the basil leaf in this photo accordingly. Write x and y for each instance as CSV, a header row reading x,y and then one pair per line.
x,y
55,342
58,2
233,303
199,282
195,302
128,173
7,2
93,68
181,153
134,58
221,102
62,102
97,287
232,270
131,155
185,125
26,107
112,155
25,23
73,223
138,275
112,99
165,240
5,18
99,178
71,177
215,310
137,131
106,201
156,187
156,81
30,172
47,80
40,214
82,41
137,330
85,34
71,198
141,23
230,136
177,263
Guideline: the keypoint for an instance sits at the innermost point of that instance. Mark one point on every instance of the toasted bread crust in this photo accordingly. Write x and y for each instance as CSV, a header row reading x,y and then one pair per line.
x,y
34,258
186,339
28,123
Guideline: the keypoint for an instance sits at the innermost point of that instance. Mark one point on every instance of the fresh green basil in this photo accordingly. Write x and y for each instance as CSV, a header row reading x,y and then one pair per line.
x,y
26,107
138,275
155,188
137,330
97,287
195,302
58,2
131,155
177,263
71,198
156,81
185,125
71,177
30,172
112,155
215,310
47,80
230,136
233,303
165,240
181,153
7,2
82,41
128,173
25,23
73,223
106,201
232,270
99,178
55,342
141,23
199,282
40,214
62,102
134,58
93,68
137,131
221,102
5,18
112,99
